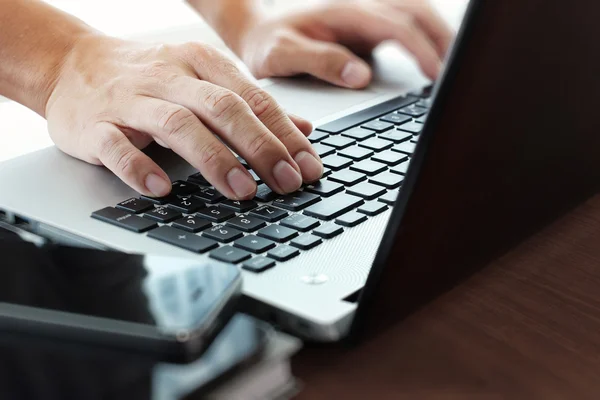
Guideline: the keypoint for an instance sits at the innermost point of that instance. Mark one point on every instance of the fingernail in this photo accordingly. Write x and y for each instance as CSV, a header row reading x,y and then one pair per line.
x,y
312,169
356,74
158,186
241,183
288,179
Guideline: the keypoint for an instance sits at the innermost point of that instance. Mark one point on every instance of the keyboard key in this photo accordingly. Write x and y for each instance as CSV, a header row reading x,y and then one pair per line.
x,y
230,255
378,126
326,172
209,195
317,136
413,110
425,103
192,224
124,219
296,201
283,253
334,206
421,119
322,150
387,180
356,153
396,136
369,167
351,219
336,162
162,214
183,188
347,177
389,198
188,205
254,244
269,213
395,118
328,231
239,205
358,133
400,168
264,193
324,188
159,200
372,208
376,144
306,242
366,190
300,222
216,214
258,264
198,179
185,240
222,233
135,206
247,223
424,93
338,142
243,162
413,127
278,233
255,177
390,157
406,148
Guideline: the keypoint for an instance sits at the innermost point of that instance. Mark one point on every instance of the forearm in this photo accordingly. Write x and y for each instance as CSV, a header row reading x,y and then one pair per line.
x,y
35,38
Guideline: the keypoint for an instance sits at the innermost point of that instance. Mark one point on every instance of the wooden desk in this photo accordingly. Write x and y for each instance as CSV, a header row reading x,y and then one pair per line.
x,y
528,326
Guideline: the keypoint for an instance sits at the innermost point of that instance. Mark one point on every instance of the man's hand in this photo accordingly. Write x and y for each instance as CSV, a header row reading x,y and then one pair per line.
x,y
114,97
326,41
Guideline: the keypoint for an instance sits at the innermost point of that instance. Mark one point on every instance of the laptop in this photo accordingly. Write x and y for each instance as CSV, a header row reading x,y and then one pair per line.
x,y
422,188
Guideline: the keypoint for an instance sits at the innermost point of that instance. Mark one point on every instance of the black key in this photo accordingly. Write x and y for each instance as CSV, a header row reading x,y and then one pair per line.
x,y
376,144
317,136
278,233
338,142
336,162
366,190
258,264
283,253
389,198
159,200
188,205
425,93
135,206
323,150
400,168
299,222
185,240
183,188
162,214
358,118
123,219
413,110
347,177
192,224
390,157
246,223
351,219
378,126
324,188
209,195
243,162
413,127
198,179
387,180
216,214
306,242
421,119
269,213
296,201
396,136
255,177
230,254
331,207
395,118
254,244
358,133
222,233
239,205
326,172
264,193
369,167
356,153
406,148
328,231
372,208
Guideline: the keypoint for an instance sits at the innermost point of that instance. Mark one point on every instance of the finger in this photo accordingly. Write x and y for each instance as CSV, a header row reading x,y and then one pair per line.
x,y
118,154
182,131
304,125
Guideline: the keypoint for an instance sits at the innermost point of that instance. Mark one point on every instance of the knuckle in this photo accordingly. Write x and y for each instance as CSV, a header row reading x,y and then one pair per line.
x,y
155,68
175,121
223,104
211,154
128,163
261,103
259,144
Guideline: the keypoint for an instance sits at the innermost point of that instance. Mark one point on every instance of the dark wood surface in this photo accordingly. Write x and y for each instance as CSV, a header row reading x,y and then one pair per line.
x,y
527,326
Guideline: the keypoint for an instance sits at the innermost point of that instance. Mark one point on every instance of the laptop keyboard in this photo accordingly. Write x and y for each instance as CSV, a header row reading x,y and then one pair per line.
x,y
365,155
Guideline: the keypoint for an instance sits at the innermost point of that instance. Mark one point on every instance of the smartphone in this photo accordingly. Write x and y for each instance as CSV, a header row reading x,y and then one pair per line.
x,y
164,308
